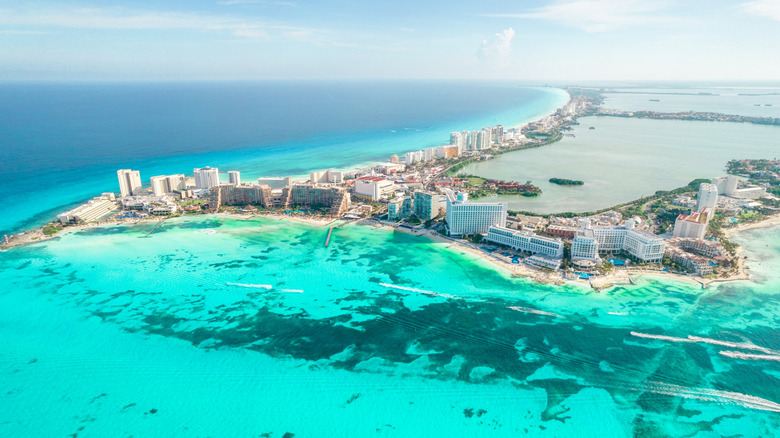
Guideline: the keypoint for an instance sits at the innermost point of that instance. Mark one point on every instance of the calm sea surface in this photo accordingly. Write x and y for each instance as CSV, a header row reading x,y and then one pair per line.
x,y
625,159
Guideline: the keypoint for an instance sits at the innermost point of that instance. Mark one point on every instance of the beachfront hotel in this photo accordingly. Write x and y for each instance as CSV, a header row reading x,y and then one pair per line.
x,y
206,177
399,208
464,217
526,241
93,210
129,181
692,225
426,205
590,240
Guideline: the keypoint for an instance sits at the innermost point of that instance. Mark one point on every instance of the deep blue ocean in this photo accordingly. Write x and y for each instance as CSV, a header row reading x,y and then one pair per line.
x,y
62,143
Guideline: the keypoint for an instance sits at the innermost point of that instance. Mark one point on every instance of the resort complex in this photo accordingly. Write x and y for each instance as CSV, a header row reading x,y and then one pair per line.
x,y
423,191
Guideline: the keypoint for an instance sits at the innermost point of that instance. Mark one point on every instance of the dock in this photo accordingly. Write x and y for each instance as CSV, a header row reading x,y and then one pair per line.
x,y
155,227
330,232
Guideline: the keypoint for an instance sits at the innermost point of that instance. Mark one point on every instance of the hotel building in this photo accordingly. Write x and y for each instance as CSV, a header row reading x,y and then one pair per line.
x,y
692,225
426,205
464,217
206,177
93,210
526,241
234,177
129,181
373,187
708,197
590,240
275,182
163,184
257,195
329,176
399,208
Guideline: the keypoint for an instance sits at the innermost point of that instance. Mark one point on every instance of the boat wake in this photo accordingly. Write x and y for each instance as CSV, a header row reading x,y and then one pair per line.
x,y
713,395
748,356
256,286
421,291
534,311
698,339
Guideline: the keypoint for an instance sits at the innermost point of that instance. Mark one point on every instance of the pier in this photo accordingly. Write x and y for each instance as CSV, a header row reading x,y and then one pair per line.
x,y
155,227
330,232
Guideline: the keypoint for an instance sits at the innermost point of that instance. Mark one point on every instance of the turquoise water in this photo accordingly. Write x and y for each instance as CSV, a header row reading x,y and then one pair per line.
x,y
224,327
625,159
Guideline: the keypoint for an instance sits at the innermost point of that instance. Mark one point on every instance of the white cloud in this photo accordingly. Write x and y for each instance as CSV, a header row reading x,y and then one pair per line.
x,y
763,8
598,15
497,52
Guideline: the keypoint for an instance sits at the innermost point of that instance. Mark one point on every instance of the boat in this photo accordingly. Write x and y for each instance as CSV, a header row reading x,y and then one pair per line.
x,y
653,100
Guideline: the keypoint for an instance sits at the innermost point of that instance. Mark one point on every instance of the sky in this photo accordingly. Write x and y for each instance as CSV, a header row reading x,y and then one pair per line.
x,y
546,41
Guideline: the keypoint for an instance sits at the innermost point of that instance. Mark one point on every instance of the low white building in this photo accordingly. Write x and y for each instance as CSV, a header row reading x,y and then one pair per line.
x,y
589,241
275,182
541,261
526,241
93,210
329,176
373,187
692,225
464,217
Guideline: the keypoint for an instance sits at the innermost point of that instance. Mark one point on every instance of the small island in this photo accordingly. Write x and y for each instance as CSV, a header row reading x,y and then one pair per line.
x,y
566,182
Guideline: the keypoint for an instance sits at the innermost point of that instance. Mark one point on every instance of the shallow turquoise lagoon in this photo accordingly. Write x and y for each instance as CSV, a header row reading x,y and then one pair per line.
x,y
224,327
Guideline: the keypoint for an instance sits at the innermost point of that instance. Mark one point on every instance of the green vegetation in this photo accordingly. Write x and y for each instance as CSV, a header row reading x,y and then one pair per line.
x,y
605,268
476,238
538,135
414,220
475,180
566,182
50,230
188,203
715,231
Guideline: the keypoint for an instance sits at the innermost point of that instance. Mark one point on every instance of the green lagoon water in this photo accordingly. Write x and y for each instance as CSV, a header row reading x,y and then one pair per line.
x,y
624,159
224,327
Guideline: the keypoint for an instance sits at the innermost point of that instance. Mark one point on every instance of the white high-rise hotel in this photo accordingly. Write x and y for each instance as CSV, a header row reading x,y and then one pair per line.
x,y
129,181
206,177
708,197
234,177
464,217
163,184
